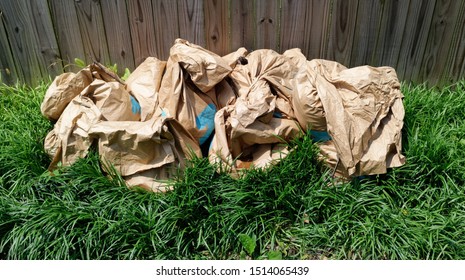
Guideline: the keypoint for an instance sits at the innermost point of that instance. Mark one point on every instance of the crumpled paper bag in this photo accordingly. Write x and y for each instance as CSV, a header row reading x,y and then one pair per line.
x,y
144,84
364,114
101,99
62,90
187,91
239,110
136,149
69,140
306,102
251,131
113,101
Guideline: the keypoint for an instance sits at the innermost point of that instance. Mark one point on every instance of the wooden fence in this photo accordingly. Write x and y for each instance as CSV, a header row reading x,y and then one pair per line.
x,y
424,40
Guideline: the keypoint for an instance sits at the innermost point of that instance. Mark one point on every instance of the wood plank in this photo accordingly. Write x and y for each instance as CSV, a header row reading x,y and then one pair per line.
x,y
166,22
390,33
461,75
367,25
24,41
422,39
142,30
67,31
456,61
48,45
191,21
317,25
8,73
89,14
118,34
242,24
217,26
267,22
344,15
419,17
439,41
293,19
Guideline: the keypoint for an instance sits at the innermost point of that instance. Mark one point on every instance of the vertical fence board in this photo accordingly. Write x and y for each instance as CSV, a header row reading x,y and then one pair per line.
x,y
317,22
292,24
166,22
217,26
456,61
8,72
24,41
191,21
142,30
344,14
366,32
93,37
48,45
267,24
439,40
390,33
242,24
461,74
67,31
415,37
115,19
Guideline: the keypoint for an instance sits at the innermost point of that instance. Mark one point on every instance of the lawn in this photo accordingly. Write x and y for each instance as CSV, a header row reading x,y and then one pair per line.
x,y
289,211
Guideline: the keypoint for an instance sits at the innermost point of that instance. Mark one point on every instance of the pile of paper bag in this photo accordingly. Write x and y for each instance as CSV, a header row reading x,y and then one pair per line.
x,y
239,110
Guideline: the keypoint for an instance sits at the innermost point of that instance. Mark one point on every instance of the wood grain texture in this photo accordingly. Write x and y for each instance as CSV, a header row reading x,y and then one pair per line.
x,y
118,34
344,15
456,61
415,37
191,21
8,73
367,25
166,23
316,33
242,24
267,22
92,30
293,20
24,41
48,45
142,30
67,32
424,40
391,32
217,26
440,37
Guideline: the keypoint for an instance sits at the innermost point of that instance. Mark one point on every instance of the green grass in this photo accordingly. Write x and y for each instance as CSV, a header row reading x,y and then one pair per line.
x,y
414,212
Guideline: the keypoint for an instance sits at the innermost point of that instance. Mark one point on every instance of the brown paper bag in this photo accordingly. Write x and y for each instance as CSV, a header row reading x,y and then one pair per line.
x,y
144,83
306,103
364,114
62,90
152,180
69,85
146,153
248,105
134,147
236,57
114,102
69,140
205,68
250,131
186,89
